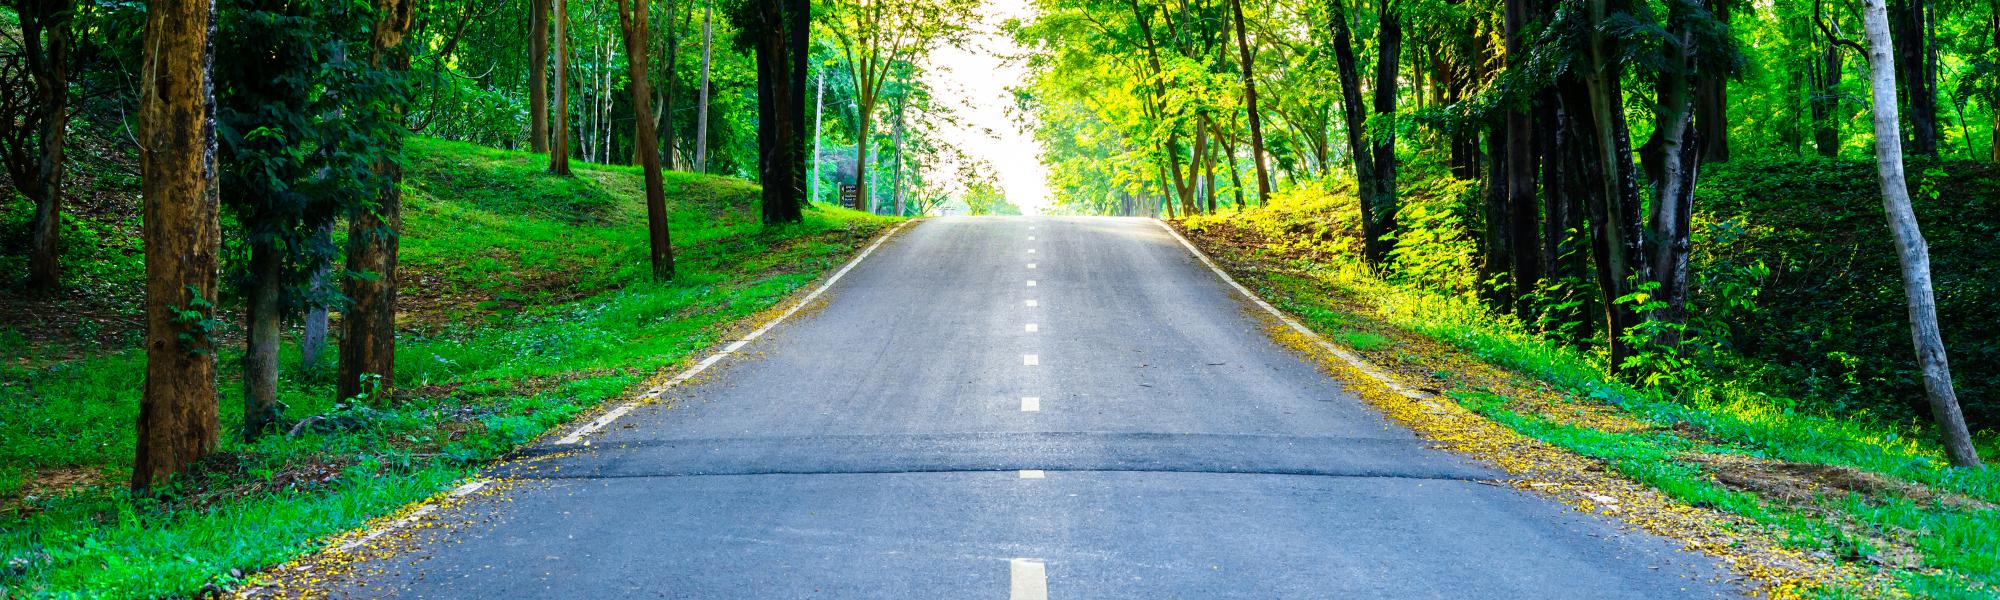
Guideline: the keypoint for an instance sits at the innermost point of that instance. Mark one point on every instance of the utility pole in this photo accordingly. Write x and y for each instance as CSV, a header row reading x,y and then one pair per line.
x,y
819,104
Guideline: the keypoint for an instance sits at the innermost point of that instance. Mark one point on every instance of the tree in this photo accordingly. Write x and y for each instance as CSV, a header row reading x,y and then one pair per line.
x,y
779,32
701,113
368,326
1250,101
182,233
1911,251
559,147
635,26
877,35
298,143
31,147
1916,71
1367,185
538,75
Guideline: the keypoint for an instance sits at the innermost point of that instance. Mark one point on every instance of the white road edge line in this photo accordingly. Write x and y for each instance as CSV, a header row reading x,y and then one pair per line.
x,y
620,410
461,491
1350,358
1027,579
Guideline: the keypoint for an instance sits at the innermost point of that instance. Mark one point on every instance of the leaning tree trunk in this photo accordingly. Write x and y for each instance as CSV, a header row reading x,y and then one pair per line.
x,y
368,327
538,75
182,234
1250,102
1380,228
1605,165
633,23
1911,251
559,146
1355,115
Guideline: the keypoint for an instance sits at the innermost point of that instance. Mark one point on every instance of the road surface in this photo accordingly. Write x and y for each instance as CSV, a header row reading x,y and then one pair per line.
x,y
1022,408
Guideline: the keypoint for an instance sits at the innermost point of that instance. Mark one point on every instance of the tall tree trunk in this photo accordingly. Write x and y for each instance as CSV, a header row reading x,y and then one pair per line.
x,y
368,327
781,81
896,182
1523,224
1498,244
667,86
538,75
1250,102
1826,79
1916,69
46,37
1355,115
701,114
819,107
312,337
1911,251
264,305
633,23
1711,99
559,147
1672,158
182,234
1612,199
1208,166
1563,247
864,122
1388,52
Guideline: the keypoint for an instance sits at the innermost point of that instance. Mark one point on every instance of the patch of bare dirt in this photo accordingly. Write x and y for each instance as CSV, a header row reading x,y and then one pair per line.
x,y
1804,484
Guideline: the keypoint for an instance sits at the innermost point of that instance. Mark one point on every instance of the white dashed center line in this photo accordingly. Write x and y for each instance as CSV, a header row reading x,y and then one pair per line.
x,y
1031,265
1031,238
1030,360
1028,580
1034,328
1031,250
1032,303
1031,404
1032,474
1031,283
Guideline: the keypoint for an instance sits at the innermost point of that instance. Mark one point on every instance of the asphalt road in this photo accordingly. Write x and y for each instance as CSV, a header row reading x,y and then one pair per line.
x,y
882,446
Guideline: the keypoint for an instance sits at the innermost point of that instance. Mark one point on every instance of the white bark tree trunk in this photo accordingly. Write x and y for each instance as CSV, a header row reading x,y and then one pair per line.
x,y
1911,250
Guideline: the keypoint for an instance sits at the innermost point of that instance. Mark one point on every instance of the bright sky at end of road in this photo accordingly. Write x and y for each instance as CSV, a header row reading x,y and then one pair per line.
x,y
975,81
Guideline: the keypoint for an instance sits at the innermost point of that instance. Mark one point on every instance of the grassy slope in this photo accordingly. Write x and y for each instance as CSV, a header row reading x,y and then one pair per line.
x,y
527,303
1887,508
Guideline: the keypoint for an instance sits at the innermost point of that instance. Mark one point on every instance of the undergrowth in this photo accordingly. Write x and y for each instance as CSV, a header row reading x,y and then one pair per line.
x,y
1300,252
529,303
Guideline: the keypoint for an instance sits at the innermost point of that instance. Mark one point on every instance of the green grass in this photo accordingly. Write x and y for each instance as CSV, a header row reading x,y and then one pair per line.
x,y
539,308
1959,547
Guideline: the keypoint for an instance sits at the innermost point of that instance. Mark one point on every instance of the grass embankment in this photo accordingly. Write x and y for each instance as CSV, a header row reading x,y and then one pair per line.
x,y
526,302
1803,503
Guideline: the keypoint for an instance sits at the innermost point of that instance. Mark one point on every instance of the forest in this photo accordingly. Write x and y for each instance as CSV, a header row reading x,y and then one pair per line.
x,y
1684,190
271,269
